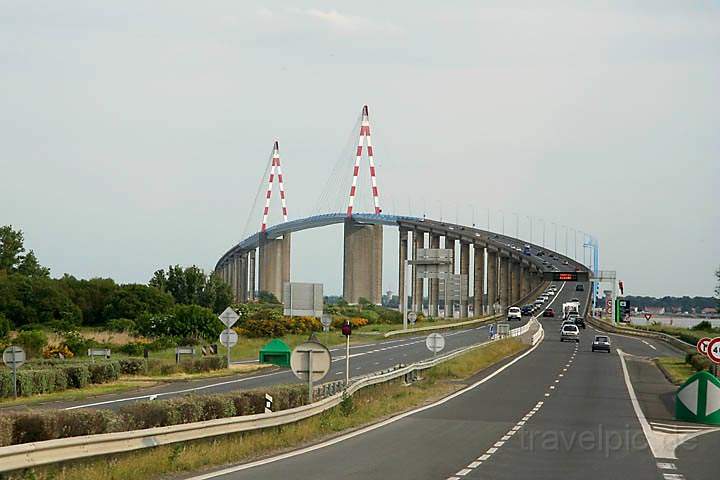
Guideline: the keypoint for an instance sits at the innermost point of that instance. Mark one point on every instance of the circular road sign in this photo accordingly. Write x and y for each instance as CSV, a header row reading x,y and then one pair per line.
x,y
412,316
713,350
310,359
702,345
229,338
14,356
435,342
326,320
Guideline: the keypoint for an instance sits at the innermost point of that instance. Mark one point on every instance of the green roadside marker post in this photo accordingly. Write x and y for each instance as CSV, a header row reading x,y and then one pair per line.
x,y
698,399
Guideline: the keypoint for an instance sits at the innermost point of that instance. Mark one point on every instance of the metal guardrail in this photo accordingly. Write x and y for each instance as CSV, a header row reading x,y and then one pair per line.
x,y
674,341
28,455
476,321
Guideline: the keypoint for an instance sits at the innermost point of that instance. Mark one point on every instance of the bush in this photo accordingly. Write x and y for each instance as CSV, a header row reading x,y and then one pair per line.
x,y
38,426
78,375
33,341
78,344
134,349
132,366
204,364
121,325
57,351
703,326
5,326
104,372
698,361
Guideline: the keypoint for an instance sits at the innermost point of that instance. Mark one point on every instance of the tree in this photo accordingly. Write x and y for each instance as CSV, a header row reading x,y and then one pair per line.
x,y
184,321
29,300
267,297
191,286
91,296
12,259
132,300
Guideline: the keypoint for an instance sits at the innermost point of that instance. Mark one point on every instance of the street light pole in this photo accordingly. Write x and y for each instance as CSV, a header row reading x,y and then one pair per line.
x,y
555,242
531,228
517,225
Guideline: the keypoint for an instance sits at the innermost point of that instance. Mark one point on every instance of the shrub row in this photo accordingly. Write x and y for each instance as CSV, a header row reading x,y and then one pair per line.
x,y
698,361
37,426
193,365
32,381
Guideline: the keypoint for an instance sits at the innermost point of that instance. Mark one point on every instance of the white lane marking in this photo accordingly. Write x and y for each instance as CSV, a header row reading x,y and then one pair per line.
x,y
491,450
369,428
499,444
175,392
673,476
482,458
649,344
666,466
506,438
474,464
462,472
547,394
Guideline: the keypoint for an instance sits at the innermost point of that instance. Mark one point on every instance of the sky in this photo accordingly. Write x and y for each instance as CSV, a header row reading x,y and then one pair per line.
x,y
135,134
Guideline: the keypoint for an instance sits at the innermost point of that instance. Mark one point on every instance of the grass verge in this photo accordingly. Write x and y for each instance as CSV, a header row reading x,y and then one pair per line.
x,y
366,406
121,386
675,369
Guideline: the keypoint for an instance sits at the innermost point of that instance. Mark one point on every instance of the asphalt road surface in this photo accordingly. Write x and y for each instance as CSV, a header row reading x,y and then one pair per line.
x,y
364,359
557,411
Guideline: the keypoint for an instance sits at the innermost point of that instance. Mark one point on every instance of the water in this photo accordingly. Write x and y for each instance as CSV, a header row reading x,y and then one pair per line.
x,y
675,321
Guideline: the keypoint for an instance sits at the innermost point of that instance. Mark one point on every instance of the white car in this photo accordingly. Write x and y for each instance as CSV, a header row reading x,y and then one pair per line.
x,y
570,332
514,313
550,293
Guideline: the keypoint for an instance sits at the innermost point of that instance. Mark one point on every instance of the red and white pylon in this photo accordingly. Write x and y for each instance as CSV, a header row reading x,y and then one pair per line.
x,y
275,165
364,135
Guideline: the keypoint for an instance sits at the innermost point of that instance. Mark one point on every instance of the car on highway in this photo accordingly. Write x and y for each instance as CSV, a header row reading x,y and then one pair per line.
x,y
550,293
570,331
527,309
580,322
601,343
549,312
514,313
553,287
544,298
537,303
579,287
566,262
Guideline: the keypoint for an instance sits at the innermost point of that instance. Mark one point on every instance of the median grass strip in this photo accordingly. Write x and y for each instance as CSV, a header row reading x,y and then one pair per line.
x,y
121,386
675,368
367,406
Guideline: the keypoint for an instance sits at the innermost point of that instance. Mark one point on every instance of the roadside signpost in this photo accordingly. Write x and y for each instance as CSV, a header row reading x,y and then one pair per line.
x,y
412,317
347,331
326,321
648,316
702,345
435,343
99,352
14,357
229,339
310,362
228,317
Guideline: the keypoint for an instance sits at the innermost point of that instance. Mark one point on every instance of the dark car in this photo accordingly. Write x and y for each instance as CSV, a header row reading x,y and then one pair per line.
x,y
526,309
549,312
580,322
601,342
579,287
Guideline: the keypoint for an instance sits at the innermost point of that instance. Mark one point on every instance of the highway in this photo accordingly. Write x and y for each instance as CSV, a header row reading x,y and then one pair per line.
x,y
364,359
559,411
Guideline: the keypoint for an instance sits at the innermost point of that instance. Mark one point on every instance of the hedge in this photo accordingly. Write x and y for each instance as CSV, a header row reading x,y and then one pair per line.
x,y
33,426
36,379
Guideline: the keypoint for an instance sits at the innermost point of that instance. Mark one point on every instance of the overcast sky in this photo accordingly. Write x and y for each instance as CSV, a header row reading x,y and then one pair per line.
x,y
135,134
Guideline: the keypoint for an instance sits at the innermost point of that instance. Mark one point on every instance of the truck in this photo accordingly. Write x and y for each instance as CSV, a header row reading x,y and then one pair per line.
x,y
571,307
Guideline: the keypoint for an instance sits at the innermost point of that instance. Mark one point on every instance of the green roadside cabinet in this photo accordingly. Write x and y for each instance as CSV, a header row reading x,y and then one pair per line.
x,y
276,353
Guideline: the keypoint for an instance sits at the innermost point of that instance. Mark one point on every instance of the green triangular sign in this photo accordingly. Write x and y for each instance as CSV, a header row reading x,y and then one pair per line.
x,y
698,399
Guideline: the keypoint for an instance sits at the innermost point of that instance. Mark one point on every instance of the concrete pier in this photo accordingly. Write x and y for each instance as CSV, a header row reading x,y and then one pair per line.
x,y
434,283
478,281
402,254
465,270
274,263
362,262
492,279
417,293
